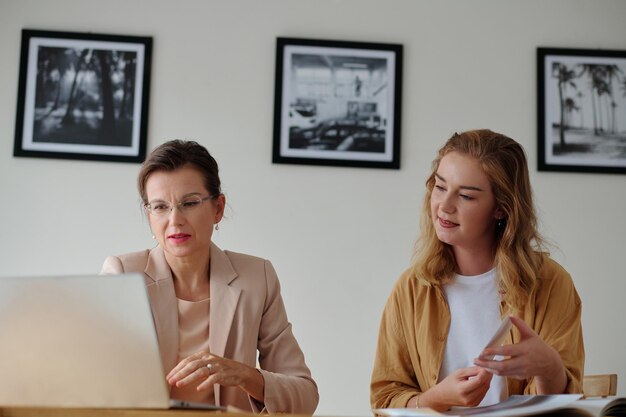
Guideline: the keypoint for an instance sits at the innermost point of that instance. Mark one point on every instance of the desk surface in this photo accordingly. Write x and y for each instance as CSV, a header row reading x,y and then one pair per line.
x,y
109,412
593,406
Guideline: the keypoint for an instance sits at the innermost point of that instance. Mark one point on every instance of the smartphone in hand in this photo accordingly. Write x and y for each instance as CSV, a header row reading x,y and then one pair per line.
x,y
498,337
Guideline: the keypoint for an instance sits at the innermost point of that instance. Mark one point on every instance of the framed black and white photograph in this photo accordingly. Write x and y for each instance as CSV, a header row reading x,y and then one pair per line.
x,y
581,110
83,96
337,103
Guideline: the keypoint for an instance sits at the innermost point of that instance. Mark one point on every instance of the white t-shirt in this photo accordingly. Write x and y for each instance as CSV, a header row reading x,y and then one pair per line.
x,y
474,305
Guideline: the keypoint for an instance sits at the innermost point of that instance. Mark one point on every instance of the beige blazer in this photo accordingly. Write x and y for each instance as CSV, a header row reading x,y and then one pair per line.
x,y
247,315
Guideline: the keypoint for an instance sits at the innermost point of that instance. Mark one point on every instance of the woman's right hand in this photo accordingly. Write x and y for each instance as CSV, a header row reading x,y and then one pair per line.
x,y
205,369
465,387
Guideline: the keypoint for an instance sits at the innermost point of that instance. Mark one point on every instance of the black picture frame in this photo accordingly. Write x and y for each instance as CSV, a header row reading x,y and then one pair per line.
x,y
83,96
337,103
581,121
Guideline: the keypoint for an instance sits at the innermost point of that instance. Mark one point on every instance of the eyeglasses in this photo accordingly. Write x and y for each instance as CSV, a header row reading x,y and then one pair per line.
x,y
159,208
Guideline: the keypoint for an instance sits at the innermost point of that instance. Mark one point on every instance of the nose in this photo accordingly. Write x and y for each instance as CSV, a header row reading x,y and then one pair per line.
x,y
446,205
176,215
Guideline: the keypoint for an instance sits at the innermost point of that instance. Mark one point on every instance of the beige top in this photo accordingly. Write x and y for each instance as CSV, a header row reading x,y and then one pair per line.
x,y
193,336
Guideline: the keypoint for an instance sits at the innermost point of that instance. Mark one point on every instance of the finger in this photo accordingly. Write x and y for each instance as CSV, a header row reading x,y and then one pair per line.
x,y
492,365
180,365
198,375
211,367
524,329
188,369
483,363
515,374
207,383
174,372
482,377
480,364
476,383
475,390
223,375
513,368
184,363
511,350
485,377
489,361
464,373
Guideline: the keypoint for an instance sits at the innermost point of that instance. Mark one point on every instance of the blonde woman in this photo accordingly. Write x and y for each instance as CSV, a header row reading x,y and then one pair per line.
x,y
478,259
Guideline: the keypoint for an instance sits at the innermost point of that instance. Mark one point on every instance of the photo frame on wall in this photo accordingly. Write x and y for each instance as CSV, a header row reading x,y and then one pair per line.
x,y
83,96
337,103
581,110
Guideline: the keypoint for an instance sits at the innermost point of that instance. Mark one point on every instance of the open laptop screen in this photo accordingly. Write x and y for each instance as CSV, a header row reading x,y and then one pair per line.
x,y
79,341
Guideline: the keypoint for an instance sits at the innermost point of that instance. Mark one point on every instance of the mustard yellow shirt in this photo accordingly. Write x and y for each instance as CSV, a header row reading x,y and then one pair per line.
x,y
414,329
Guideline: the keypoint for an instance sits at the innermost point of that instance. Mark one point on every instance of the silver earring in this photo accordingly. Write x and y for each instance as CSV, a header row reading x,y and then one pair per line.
x,y
500,223
153,237
217,226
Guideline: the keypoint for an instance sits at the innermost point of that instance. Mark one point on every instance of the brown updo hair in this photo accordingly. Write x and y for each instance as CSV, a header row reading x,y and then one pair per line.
x,y
176,154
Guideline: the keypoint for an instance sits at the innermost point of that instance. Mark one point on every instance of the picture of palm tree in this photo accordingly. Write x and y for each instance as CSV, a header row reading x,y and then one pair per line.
x,y
582,102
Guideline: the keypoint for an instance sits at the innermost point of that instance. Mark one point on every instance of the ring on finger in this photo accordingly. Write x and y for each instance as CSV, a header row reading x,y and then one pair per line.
x,y
209,366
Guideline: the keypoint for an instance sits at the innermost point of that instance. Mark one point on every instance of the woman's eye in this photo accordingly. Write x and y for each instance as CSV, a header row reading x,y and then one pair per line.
x,y
189,204
440,188
466,197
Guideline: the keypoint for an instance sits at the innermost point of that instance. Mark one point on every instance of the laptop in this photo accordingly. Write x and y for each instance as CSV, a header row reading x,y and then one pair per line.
x,y
81,341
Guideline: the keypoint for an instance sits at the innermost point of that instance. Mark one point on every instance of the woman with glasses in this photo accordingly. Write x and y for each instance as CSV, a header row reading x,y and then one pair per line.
x,y
215,311
479,259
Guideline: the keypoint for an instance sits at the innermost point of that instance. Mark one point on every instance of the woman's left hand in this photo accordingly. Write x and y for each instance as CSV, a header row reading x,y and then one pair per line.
x,y
531,357
206,369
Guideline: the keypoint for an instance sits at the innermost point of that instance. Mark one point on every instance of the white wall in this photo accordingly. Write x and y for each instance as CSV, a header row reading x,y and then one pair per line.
x,y
338,237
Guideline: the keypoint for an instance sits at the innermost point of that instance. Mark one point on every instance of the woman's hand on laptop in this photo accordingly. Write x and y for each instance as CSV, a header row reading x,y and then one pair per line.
x,y
205,369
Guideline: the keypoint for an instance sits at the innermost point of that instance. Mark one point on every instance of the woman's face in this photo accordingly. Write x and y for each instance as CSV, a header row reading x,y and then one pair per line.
x,y
463,207
186,230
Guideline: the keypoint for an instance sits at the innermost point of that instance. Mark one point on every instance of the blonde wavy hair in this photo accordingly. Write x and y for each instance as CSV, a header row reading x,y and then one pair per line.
x,y
519,246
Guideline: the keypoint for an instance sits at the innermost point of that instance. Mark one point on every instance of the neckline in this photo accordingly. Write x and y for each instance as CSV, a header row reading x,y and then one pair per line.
x,y
483,275
203,301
